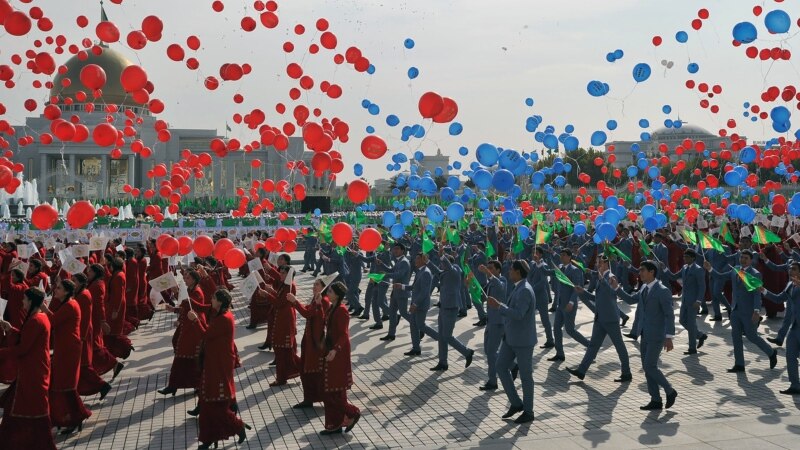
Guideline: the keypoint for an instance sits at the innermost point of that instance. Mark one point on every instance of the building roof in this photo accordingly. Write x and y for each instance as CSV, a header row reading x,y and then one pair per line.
x,y
112,62
684,130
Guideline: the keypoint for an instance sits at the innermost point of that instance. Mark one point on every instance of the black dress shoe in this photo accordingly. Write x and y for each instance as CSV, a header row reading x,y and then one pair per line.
x,y
353,423
671,399
624,379
716,319
704,311
377,326
117,369
702,340
194,412
773,359
105,390
548,344
413,353
624,321
791,391
511,411
329,432
462,314
168,391
387,338
631,336
480,323
488,387
250,327
690,352
438,368
273,363
363,317
736,369
524,418
357,312
304,404
775,341
652,406
263,347
557,358
576,372
469,358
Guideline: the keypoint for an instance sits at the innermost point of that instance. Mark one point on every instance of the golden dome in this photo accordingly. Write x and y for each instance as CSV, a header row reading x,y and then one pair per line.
x,y
112,62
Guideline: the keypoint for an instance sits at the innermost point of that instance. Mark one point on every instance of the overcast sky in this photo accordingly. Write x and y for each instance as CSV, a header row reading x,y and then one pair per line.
x,y
489,56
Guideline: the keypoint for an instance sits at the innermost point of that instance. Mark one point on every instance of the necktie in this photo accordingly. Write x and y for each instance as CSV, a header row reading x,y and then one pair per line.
x,y
645,291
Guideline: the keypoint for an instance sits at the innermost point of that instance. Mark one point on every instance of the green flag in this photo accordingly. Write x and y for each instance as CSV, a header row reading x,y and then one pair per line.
x,y
614,251
764,236
519,247
751,282
579,264
341,250
453,237
473,287
490,251
376,277
725,234
427,243
645,248
562,277
706,241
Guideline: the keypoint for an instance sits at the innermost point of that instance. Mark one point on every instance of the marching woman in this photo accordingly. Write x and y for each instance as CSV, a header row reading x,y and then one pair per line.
x,y
13,289
131,291
217,419
337,369
311,347
283,325
102,359
145,307
89,382
117,343
185,373
26,410
66,408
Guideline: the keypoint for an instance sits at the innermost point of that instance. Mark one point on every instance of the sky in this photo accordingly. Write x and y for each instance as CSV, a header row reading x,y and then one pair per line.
x,y
489,56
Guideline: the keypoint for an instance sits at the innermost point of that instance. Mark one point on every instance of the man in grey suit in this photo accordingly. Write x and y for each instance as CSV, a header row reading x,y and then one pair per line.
x,y
790,296
606,322
537,278
567,306
692,297
745,311
420,291
519,324
398,301
493,334
656,328
449,302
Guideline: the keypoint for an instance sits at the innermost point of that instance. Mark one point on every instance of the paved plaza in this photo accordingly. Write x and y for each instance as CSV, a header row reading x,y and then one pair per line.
x,y
404,405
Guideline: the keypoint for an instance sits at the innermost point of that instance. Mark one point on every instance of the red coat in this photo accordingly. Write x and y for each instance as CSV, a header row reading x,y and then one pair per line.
x,y
284,319
84,299
190,334
14,293
338,373
208,287
156,267
115,303
38,278
98,291
33,361
311,347
141,269
5,260
66,329
219,359
131,281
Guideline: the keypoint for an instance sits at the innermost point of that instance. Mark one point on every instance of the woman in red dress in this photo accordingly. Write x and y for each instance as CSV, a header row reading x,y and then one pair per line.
x,y
312,349
117,343
185,372
26,410
158,266
217,389
66,408
131,292
283,326
13,289
89,381
337,368
35,276
102,359
145,307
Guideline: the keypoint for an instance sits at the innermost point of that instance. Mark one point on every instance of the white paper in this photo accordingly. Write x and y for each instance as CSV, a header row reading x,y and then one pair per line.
x,y
3,304
24,251
65,254
289,277
98,243
255,264
155,298
80,251
273,258
745,232
250,285
164,282
73,266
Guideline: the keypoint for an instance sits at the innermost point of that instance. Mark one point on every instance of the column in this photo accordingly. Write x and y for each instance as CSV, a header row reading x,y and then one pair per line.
x,y
131,170
217,168
43,180
104,169
71,176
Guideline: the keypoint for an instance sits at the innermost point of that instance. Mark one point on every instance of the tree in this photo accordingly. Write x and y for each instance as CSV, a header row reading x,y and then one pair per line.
x,y
394,184
441,181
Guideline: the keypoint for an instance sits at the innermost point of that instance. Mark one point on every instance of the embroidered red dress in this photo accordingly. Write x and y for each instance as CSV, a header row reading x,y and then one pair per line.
x,y
26,410
338,372
284,332
89,382
145,308
185,372
102,359
14,293
131,295
117,343
312,351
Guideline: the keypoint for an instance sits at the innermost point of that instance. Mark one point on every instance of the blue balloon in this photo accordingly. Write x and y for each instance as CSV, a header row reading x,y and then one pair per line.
x,y
780,114
409,43
653,172
612,202
597,88
482,179
317,212
745,32
745,213
537,178
693,68
599,138
487,154
560,181
651,224
413,72
732,178
371,69
463,151
551,141
648,211
455,129
447,194
632,171
778,21
358,170
644,123
666,109
579,229
502,180
389,219
747,155
374,109
682,37
435,213
407,218
611,125
641,72
529,101
397,231
571,143
455,211
606,231
618,54
392,120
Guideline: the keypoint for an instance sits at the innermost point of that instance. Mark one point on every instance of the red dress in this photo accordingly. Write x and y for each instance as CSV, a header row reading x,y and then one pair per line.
x,y
217,388
89,382
66,407
26,410
284,332
102,359
185,371
14,293
117,343
131,295
338,373
312,352
38,278
145,308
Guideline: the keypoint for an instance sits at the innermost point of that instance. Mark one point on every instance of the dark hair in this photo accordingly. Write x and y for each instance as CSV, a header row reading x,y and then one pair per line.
x,y
540,251
80,279
109,257
690,253
795,264
98,270
37,263
566,251
225,299
284,268
117,263
286,258
496,264
194,275
521,266
401,245
338,288
747,253
36,297
69,287
650,266
341,291
18,275
129,253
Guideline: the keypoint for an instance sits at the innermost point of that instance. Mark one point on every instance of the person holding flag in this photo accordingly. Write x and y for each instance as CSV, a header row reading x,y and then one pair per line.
x,y
692,297
745,309
375,296
537,278
400,273
478,258
493,333
791,296
568,276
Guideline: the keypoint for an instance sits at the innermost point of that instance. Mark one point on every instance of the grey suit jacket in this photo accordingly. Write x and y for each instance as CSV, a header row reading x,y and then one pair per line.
x,y
657,319
518,316
421,289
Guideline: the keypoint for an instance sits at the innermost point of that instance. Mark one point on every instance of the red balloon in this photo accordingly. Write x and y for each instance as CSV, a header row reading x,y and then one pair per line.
x,y
175,52
169,246
105,135
321,162
107,32
299,192
358,191
133,78
273,245
430,104
369,240
93,76
448,113
234,258
221,248
203,246
289,246
152,27
184,245
17,23
282,234
80,214
373,147
342,234
44,217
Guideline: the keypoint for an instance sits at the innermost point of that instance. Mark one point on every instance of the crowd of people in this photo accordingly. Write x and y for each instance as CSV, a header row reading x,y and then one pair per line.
x,y
519,289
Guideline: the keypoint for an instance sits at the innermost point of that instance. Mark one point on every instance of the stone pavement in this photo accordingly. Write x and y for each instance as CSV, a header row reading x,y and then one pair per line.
x,y
404,405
